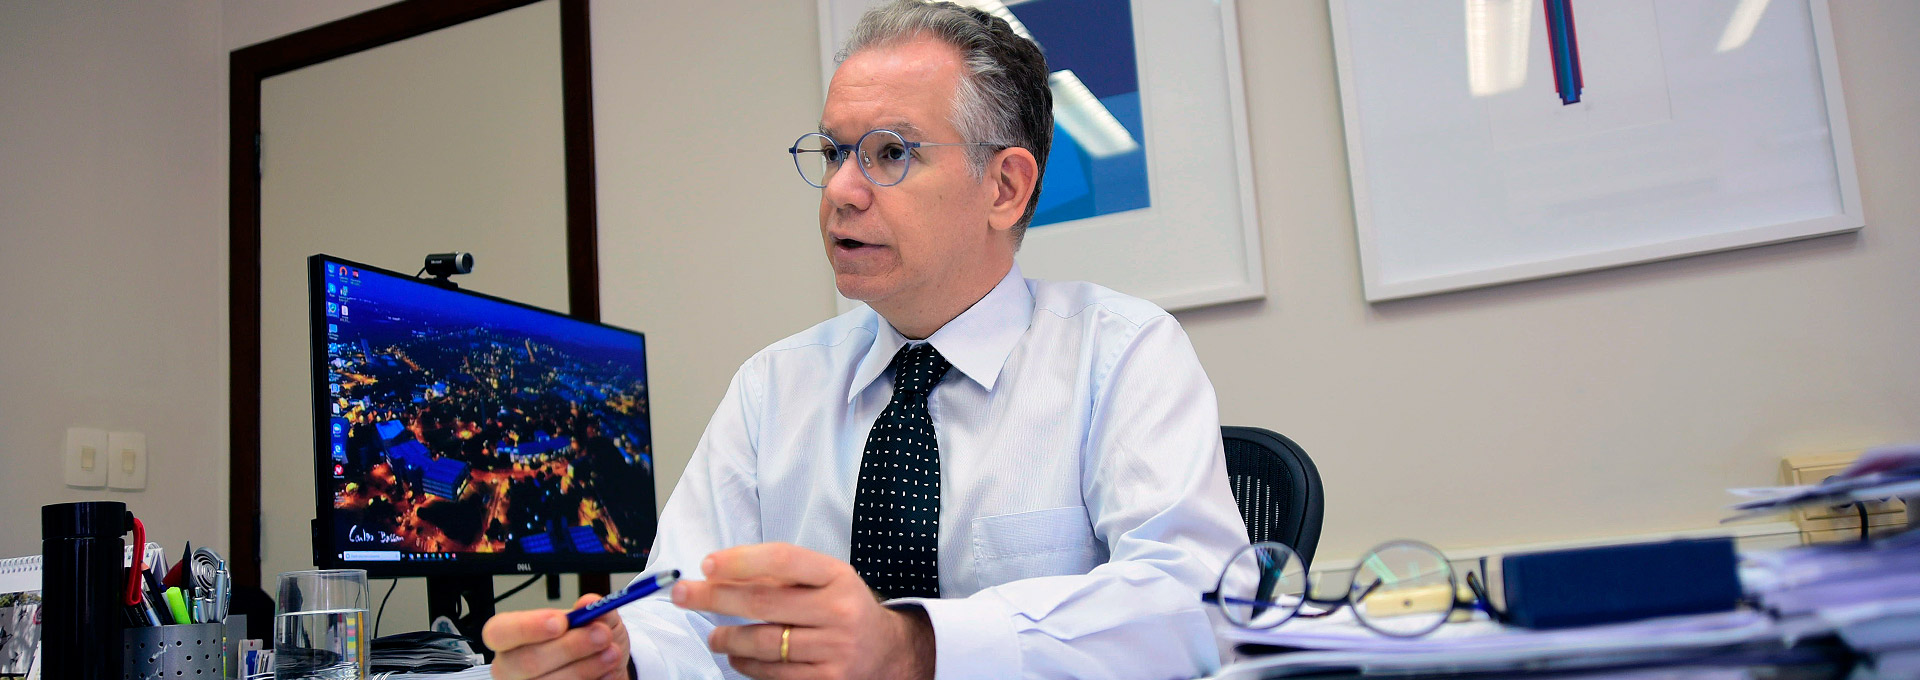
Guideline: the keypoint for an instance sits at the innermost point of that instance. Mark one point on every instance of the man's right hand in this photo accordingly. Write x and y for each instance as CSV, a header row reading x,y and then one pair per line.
x,y
536,645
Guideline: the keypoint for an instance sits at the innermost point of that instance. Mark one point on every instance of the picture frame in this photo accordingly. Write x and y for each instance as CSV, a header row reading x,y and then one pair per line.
x,y
1198,242
1481,152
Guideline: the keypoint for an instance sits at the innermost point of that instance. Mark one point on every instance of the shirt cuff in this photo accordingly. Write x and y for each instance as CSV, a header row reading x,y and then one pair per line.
x,y
972,638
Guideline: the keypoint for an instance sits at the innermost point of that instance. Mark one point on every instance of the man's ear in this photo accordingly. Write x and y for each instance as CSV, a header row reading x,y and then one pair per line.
x,y
1013,174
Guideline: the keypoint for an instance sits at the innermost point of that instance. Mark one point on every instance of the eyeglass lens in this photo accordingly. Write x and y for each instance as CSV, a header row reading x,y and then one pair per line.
x,y
1262,586
1403,588
816,157
884,157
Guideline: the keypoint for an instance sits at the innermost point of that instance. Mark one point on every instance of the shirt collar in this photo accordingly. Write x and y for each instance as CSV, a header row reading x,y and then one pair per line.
x,y
977,342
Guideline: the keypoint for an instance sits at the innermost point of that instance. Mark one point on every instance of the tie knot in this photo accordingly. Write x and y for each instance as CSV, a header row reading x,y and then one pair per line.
x,y
917,368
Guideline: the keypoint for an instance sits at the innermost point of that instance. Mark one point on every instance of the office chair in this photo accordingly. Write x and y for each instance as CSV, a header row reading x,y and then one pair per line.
x,y
1277,488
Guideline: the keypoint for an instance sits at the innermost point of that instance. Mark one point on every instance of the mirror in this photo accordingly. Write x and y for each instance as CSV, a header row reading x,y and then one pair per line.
x,y
410,129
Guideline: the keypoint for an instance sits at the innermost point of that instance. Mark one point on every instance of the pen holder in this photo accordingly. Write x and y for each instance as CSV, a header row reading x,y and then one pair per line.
x,y
190,651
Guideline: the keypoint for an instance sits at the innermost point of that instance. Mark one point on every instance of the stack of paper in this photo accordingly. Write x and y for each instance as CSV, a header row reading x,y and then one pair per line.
x,y
1889,472
1867,592
474,673
1338,644
422,652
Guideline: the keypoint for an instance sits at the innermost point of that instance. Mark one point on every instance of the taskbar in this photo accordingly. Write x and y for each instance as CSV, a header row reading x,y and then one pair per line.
x,y
395,556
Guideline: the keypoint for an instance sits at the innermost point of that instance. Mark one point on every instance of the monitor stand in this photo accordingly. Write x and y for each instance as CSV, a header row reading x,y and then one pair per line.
x,y
466,600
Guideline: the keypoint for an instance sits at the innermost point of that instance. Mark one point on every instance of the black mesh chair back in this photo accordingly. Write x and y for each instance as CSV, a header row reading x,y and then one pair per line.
x,y
1277,488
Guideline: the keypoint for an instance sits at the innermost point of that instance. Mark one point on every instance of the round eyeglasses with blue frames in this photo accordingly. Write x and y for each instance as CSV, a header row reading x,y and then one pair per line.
x,y
884,156
1399,589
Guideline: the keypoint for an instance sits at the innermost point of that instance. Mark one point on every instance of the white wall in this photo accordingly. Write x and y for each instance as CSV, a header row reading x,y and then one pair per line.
x,y
113,246
709,240
247,22
1601,404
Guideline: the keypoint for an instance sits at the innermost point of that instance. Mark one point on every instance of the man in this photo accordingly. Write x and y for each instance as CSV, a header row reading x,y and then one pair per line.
x,y
975,475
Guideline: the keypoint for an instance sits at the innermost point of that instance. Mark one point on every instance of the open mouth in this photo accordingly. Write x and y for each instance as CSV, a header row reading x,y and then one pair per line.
x,y
850,243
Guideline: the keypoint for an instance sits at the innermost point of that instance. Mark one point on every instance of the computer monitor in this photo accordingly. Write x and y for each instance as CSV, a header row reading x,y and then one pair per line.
x,y
463,434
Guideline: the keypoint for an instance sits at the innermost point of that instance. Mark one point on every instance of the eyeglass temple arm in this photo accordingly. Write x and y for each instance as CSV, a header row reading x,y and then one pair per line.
x,y
1214,597
844,149
1483,600
916,145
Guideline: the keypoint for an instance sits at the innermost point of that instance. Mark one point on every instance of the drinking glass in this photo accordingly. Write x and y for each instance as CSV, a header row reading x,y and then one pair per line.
x,y
320,625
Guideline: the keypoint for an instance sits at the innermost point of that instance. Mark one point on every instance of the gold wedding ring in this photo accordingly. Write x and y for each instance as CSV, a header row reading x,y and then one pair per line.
x,y
786,634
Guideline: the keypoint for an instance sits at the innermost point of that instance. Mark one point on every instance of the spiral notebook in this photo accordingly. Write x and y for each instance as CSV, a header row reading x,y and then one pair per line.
x,y
22,574
19,616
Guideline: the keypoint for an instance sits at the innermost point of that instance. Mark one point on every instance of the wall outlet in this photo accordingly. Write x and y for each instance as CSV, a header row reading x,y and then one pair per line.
x,y
126,461
85,457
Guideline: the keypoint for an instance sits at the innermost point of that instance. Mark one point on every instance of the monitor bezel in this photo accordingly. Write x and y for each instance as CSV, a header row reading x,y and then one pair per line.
x,y
325,554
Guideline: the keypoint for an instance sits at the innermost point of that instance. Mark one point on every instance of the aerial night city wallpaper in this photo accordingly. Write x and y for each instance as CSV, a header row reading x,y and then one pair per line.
x,y
460,424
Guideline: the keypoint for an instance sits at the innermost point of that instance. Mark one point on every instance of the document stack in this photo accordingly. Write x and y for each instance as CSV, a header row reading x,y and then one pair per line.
x,y
423,652
1867,593
1337,644
1890,472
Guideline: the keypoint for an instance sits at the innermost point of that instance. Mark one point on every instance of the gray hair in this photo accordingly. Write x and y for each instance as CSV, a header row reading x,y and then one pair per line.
x,y
1002,97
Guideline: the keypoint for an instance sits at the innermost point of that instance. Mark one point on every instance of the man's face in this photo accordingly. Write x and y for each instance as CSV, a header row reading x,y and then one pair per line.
x,y
898,246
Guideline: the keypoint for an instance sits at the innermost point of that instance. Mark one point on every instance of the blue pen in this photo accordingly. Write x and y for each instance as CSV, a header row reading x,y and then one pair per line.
x,y
580,617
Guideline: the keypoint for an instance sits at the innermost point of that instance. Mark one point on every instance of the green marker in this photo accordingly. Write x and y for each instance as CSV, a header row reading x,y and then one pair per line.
x,y
177,605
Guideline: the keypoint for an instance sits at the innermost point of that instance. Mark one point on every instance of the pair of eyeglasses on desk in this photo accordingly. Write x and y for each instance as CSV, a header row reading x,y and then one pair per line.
x,y
1399,588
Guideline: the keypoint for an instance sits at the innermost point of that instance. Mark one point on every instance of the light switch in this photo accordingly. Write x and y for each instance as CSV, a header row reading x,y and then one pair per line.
x,y
126,460
85,457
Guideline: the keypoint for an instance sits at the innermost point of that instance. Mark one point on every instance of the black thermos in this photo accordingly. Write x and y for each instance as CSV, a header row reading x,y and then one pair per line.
x,y
83,581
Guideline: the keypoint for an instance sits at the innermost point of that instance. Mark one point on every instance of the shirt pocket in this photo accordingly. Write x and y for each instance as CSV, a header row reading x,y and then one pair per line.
x,y
1051,542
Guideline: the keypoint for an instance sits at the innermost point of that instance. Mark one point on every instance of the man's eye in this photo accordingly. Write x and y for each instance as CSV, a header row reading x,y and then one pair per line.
x,y
832,154
892,152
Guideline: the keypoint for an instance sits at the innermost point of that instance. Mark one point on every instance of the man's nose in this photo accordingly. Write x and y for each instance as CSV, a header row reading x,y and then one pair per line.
x,y
846,187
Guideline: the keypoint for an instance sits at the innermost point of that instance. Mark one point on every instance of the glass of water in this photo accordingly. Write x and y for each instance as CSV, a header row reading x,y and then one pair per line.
x,y
320,625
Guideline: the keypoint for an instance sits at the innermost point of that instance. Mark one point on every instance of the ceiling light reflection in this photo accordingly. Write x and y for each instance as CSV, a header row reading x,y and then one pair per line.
x,y
1089,122
1498,35
1746,17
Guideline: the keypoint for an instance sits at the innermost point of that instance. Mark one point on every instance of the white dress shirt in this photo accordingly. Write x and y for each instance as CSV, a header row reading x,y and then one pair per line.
x,y
1084,499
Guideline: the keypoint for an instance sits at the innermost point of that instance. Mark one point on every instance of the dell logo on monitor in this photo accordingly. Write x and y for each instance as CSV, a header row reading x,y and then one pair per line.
x,y
523,567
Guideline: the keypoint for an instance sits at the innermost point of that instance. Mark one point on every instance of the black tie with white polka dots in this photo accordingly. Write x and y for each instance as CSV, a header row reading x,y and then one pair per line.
x,y
896,509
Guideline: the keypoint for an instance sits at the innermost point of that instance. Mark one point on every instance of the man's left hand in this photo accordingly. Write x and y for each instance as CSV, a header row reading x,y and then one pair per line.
x,y
838,629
